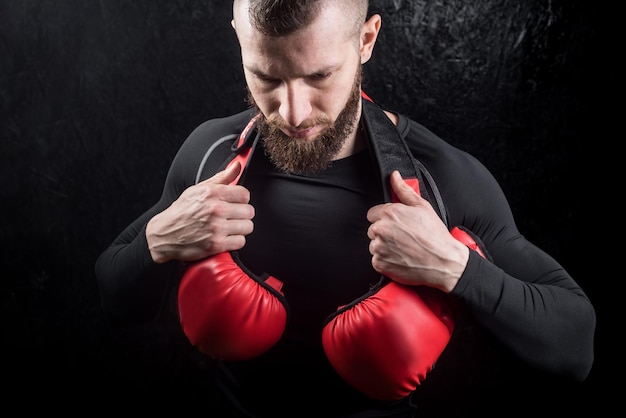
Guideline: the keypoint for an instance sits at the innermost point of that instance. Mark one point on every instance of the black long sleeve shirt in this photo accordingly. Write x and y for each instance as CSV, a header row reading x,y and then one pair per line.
x,y
310,231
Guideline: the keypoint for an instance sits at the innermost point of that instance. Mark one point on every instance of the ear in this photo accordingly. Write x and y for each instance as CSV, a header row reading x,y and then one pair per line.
x,y
232,23
369,34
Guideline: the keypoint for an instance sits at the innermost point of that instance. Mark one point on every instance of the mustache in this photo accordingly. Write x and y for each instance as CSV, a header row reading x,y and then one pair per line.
x,y
279,123
276,122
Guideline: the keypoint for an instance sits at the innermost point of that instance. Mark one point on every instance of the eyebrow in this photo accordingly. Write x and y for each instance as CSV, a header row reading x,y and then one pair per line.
x,y
324,70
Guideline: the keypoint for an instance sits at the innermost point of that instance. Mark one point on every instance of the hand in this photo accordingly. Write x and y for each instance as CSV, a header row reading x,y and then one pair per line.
x,y
411,245
208,218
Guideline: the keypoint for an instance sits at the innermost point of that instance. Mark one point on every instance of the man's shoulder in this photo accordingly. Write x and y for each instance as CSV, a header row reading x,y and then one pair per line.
x,y
424,142
441,158
215,128
414,131
208,146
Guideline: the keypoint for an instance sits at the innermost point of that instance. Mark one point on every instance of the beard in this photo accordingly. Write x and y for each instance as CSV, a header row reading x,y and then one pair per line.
x,y
297,156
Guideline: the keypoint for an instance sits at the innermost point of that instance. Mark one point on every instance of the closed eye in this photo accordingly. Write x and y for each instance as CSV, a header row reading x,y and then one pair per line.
x,y
320,76
266,79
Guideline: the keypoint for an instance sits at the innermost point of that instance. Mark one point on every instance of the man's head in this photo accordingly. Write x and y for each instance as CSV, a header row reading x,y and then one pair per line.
x,y
302,62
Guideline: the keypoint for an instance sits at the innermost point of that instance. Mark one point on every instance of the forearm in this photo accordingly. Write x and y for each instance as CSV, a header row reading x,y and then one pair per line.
x,y
550,326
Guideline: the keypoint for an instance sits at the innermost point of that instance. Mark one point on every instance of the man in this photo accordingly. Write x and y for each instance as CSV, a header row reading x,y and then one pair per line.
x,y
313,209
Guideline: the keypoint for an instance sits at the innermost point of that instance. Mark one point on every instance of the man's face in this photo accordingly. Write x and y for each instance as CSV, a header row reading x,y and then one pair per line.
x,y
307,87
311,156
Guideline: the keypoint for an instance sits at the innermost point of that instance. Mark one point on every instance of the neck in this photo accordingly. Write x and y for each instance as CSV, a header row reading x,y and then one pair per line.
x,y
357,141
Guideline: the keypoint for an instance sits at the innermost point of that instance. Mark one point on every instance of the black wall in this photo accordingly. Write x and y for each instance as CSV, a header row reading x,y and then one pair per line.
x,y
96,97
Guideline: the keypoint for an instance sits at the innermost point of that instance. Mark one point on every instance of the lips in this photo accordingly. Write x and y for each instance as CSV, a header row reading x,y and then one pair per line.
x,y
301,133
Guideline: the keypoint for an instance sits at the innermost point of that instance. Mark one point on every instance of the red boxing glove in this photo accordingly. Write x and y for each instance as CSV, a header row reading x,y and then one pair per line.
x,y
228,313
385,344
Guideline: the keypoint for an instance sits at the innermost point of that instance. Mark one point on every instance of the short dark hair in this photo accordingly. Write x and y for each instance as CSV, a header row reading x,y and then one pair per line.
x,y
282,17
276,18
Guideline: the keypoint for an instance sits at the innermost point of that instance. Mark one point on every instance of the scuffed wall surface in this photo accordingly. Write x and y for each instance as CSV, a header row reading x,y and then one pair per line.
x,y
96,97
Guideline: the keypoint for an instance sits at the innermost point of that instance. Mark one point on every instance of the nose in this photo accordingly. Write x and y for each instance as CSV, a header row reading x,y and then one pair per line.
x,y
295,106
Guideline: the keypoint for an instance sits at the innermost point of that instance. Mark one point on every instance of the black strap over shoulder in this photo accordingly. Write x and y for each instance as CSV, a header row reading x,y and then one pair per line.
x,y
389,152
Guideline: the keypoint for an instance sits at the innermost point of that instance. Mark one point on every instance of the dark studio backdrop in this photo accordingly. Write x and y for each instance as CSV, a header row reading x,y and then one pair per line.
x,y
96,97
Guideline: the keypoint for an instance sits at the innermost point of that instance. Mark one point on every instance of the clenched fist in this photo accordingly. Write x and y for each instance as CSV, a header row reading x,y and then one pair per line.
x,y
411,245
208,218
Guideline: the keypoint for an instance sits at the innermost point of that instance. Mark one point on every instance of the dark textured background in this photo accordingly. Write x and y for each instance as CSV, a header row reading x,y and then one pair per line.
x,y
96,97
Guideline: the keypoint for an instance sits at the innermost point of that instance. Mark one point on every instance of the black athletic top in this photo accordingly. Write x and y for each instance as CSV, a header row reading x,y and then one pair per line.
x,y
310,231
